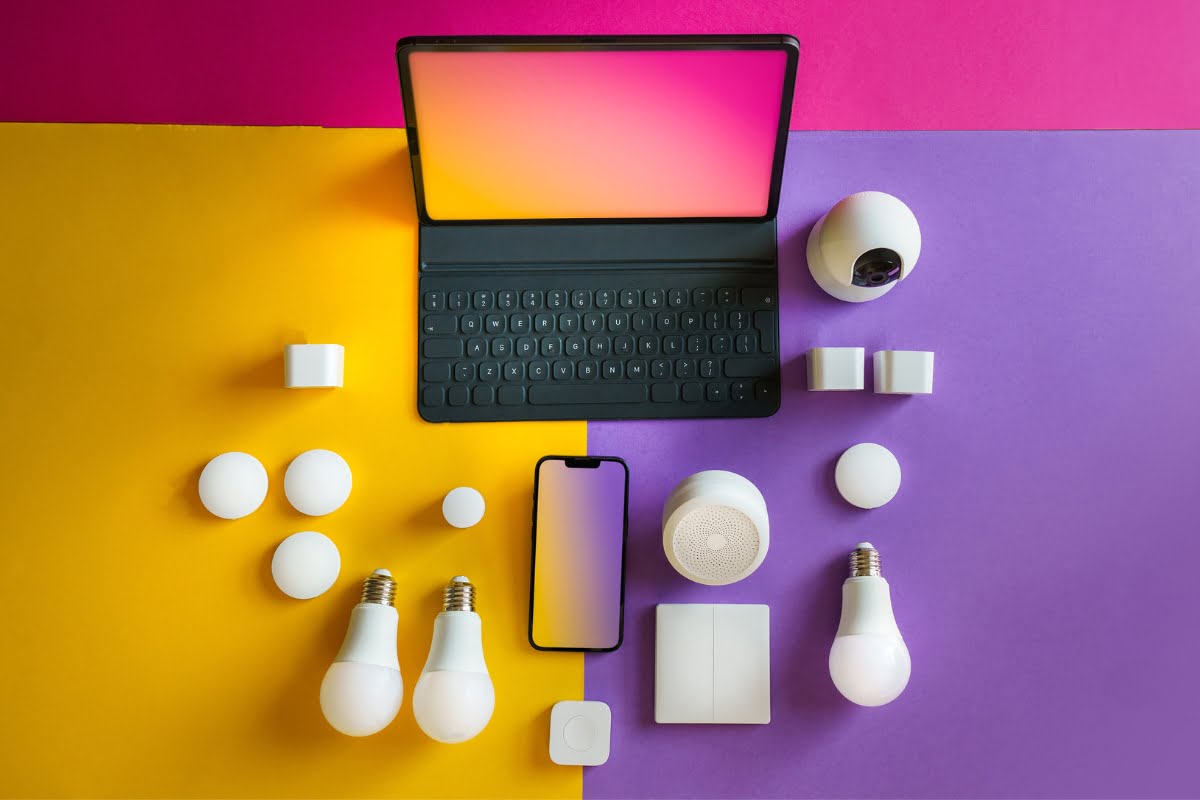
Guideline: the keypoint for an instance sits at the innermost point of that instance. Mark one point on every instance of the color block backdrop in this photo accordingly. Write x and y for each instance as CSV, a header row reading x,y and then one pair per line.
x,y
1039,549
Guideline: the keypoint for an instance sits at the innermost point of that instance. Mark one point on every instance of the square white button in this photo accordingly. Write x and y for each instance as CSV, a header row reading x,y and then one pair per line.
x,y
579,732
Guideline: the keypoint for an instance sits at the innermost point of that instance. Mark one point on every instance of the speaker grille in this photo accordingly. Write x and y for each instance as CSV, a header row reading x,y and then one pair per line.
x,y
716,543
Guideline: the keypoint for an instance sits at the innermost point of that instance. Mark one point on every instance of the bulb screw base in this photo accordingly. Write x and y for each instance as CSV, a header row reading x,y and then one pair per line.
x,y
864,562
459,595
379,588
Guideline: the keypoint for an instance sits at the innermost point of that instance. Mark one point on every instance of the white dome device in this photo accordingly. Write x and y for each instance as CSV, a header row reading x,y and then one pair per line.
x,y
864,246
715,528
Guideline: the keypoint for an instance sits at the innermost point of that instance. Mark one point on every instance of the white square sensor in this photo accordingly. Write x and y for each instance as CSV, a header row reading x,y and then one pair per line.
x,y
579,732
313,365
712,664
836,369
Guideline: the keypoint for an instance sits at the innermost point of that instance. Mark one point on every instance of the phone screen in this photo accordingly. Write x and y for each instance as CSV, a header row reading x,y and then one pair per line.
x,y
579,521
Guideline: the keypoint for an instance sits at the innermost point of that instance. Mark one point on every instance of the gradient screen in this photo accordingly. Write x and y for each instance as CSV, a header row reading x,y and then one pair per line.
x,y
578,555
597,134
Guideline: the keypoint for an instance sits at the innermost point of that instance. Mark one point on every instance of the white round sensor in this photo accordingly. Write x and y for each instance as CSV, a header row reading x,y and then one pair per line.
x,y
233,485
867,475
317,482
463,507
305,565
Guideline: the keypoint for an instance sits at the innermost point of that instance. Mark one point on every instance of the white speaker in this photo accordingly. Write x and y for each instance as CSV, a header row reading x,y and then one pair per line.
x,y
715,528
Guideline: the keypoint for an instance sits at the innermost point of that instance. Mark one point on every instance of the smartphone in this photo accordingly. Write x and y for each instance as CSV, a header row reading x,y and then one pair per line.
x,y
577,584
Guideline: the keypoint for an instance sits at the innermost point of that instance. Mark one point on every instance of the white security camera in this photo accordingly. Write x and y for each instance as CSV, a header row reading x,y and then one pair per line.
x,y
864,246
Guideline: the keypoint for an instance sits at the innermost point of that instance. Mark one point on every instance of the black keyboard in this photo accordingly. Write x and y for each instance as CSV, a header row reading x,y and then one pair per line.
x,y
588,347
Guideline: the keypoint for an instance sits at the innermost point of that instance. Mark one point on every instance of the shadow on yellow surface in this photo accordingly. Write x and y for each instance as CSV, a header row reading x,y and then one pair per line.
x,y
150,278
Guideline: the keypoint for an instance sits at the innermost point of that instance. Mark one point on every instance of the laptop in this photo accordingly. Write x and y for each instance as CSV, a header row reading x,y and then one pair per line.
x,y
597,224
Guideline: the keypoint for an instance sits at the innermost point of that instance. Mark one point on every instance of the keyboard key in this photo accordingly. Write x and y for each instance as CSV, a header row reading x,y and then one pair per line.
x,y
765,321
648,345
697,344
588,370
693,392
653,298
514,371
494,323
544,323
764,391
664,392
716,392
531,299
575,346
749,367
758,298
581,299
745,344
435,301
685,368
623,345
483,395
660,369
593,322
556,299
721,344
568,322
740,391
457,300
482,300
442,348
667,321
631,298
476,348
489,372
502,347
709,368
672,345
526,347
464,372
643,322
599,346
677,298
636,370
690,321
437,372
566,394
511,395
739,320
506,300
618,322
551,346
432,396
539,371
471,324
727,297
605,298
714,320
458,395
612,369
519,324
563,370
702,298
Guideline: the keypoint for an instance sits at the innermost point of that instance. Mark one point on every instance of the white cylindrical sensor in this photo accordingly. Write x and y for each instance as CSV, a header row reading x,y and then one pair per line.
x,y
317,482
867,475
305,565
233,485
463,507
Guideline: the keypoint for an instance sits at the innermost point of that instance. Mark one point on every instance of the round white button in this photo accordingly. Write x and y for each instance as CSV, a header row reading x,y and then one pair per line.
x,y
463,507
317,482
305,565
580,733
867,475
233,485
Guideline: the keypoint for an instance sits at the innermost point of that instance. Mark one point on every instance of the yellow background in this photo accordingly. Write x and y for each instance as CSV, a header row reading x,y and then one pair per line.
x,y
150,278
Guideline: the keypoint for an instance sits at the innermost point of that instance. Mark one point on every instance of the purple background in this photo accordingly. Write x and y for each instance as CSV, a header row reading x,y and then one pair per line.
x,y
1042,547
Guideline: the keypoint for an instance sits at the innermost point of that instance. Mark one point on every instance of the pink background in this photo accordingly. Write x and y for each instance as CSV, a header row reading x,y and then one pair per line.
x,y
865,64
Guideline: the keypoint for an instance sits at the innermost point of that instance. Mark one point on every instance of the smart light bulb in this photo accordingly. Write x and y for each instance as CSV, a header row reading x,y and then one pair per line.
x,y
362,690
454,698
869,662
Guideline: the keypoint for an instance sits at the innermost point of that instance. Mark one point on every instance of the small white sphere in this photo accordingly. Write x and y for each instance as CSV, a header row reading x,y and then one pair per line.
x,y
867,475
317,482
305,565
463,507
233,485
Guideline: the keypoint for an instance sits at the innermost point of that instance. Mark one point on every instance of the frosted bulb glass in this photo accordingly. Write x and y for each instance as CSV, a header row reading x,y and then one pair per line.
x,y
317,482
454,698
463,507
305,565
867,475
362,690
869,662
233,485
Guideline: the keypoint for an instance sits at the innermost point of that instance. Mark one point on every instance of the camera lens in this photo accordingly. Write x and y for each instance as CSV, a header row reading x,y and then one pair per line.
x,y
876,268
